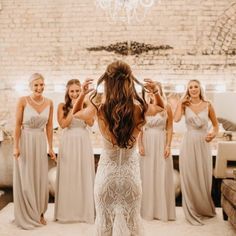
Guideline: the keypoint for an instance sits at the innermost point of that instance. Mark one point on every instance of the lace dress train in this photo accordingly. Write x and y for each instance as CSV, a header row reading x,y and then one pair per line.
x,y
118,192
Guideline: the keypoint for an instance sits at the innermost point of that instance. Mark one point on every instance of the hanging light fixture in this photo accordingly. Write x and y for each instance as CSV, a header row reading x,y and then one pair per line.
x,y
126,10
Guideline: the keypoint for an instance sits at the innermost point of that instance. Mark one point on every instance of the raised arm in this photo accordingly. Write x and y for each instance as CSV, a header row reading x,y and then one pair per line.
x,y
212,116
18,124
80,100
169,131
63,121
158,99
87,114
179,111
91,119
49,132
151,86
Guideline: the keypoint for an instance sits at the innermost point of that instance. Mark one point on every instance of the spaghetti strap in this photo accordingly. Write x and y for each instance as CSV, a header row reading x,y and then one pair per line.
x,y
26,100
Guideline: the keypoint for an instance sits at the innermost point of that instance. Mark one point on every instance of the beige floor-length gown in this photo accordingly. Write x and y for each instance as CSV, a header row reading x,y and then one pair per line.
x,y
118,192
30,178
195,163
158,200
74,200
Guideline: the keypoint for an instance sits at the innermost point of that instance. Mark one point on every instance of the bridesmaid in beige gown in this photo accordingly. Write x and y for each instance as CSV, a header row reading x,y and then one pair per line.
x,y
156,165
34,117
74,200
195,158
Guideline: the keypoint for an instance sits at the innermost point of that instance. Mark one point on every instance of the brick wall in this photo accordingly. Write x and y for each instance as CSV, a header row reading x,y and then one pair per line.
x,y
52,37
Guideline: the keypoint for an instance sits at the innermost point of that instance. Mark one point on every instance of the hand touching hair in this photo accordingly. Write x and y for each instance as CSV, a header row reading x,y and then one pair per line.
x,y
121,100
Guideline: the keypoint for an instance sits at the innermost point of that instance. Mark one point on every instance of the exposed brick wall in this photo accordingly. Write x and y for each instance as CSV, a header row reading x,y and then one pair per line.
x,y
52,37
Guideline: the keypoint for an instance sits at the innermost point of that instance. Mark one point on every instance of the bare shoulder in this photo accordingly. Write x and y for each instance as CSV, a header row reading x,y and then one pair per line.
x,y
209,104
210,107
22,101
61,105
49,101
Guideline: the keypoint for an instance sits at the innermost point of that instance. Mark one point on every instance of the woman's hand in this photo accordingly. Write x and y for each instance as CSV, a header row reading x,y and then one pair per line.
x,y
16,153
85,86
150,85
167,152
141,151
185,101
210,136
52,155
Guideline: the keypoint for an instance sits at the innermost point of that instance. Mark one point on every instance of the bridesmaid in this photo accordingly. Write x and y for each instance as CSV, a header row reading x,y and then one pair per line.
x,y
195,158
74,200
158,200
30,179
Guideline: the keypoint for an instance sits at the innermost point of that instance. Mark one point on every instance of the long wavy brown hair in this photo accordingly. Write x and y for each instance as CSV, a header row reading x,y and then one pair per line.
x,y
68,105
121,99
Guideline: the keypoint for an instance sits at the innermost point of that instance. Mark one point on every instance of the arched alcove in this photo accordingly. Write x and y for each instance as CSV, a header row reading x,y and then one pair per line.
x,y
223,35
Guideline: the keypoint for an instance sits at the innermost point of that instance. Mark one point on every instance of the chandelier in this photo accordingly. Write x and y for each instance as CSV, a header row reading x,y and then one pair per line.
x,y
126,10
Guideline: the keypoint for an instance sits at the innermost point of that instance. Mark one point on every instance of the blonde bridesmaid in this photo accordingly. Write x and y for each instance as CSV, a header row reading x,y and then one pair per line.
x,y
74,200
195,158
34,116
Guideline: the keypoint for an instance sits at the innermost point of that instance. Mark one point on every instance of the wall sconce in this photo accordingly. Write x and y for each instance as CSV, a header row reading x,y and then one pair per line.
x,y
21,87
59,88
220,88
179,88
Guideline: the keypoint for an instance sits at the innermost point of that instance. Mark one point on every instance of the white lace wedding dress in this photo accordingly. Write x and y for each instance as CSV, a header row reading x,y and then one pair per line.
x,y
118,192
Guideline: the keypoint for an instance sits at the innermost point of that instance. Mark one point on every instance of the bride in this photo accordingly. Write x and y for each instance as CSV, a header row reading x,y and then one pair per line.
x,y
120,116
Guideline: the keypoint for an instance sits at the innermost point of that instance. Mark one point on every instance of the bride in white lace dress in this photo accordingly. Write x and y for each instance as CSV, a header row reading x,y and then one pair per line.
x,y
120,116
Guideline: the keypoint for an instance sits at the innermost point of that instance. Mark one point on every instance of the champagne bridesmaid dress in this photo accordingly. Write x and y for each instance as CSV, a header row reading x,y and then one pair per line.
x,y
196,168
30,177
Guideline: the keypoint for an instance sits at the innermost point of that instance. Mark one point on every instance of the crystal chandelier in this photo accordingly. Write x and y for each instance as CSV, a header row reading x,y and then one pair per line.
x,y
126,10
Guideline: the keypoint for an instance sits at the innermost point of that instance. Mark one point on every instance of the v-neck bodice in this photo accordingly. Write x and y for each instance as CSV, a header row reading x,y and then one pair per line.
x,y
196,121
33,119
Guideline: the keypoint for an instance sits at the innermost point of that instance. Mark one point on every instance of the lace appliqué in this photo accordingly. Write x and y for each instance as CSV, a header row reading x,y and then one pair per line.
x,y
118,193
